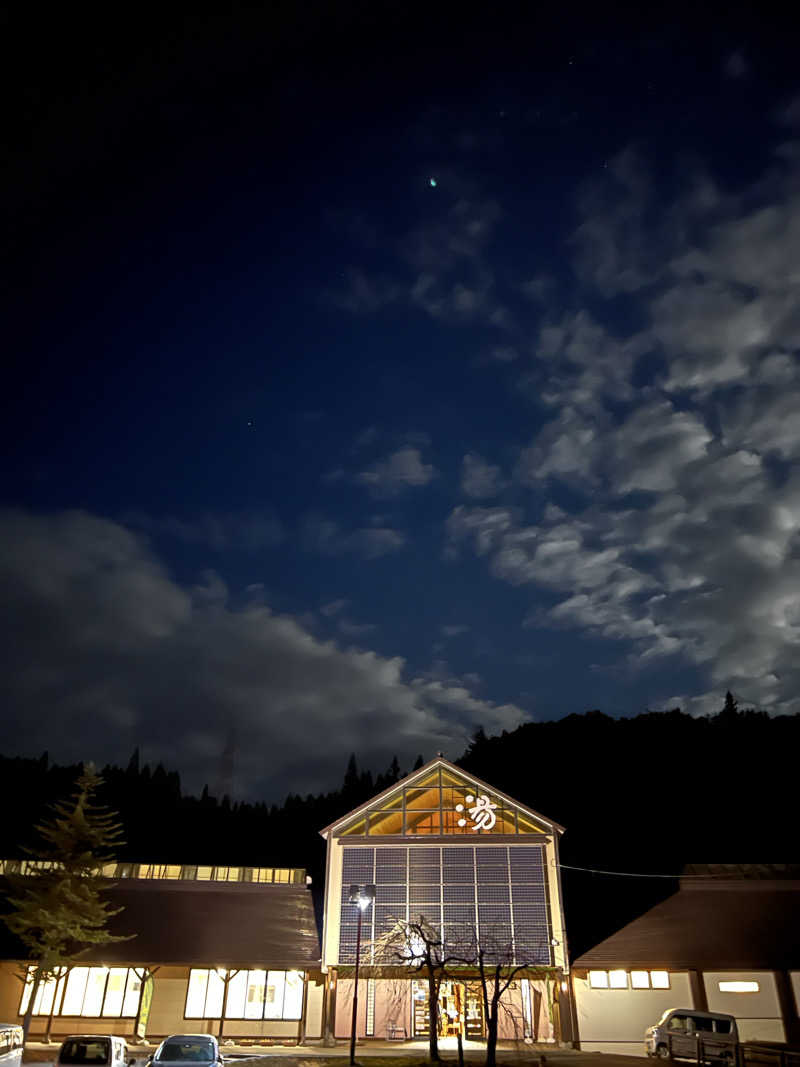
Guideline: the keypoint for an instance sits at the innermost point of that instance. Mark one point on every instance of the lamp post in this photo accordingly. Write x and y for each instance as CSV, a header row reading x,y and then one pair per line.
x,y
362,896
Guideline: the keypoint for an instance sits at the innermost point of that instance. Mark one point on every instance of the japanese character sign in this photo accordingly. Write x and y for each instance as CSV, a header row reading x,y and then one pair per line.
x,y
481,813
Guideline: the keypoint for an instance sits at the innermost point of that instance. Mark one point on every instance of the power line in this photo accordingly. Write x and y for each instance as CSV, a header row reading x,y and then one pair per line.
x,y
638,874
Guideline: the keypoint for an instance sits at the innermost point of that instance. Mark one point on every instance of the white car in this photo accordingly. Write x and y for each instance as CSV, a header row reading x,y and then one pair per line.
x,y
180,1049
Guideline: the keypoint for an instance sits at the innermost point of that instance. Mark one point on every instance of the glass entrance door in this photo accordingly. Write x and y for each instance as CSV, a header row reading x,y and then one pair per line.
x,y
459,1005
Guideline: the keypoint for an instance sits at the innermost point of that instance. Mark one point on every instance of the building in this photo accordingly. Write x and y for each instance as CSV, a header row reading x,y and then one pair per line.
x,y
482,870
728,941
235,948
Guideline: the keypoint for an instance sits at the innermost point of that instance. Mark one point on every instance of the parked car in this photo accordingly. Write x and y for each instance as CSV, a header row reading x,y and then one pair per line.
x,y
677,1032
180,1049
10,1045
94,1050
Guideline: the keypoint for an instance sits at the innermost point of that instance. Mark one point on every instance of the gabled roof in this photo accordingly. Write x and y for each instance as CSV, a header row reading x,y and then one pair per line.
x,y
720,926
547,825
205,925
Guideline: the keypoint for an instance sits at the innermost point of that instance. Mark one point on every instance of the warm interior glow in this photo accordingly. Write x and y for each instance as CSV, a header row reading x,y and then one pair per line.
x,y
598,979
618,979
659,979
640,980
738,987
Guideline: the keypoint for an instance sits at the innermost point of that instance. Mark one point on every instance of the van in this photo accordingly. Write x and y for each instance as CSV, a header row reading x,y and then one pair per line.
x,y
679,1031
94,1050
10,1045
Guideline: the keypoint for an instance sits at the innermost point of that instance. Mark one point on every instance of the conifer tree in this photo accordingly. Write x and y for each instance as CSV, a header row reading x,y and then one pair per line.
x,y
58,912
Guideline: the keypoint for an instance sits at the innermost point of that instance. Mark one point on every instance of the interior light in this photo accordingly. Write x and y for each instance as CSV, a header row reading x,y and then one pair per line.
x,y
738,987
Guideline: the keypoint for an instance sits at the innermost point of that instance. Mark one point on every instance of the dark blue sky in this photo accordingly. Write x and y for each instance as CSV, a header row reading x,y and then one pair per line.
x,y
376,374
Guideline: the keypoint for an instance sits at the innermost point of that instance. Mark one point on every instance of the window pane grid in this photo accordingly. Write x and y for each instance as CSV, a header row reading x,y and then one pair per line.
x,y
252,994
496,892
93,992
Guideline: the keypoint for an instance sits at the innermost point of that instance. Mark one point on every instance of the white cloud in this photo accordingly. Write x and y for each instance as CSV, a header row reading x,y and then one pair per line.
x,y
105,651
687,539
402,470
323,535
479,478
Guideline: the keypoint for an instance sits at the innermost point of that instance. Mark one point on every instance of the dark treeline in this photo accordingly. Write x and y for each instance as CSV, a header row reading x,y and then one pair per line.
x,y
641,795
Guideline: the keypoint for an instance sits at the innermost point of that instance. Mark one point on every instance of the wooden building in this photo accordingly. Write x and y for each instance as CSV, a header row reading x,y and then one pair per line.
x,y
481,870
231,949
727,941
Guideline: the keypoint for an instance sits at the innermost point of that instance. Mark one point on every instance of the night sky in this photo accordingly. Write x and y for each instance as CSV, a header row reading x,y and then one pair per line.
x,y
375,372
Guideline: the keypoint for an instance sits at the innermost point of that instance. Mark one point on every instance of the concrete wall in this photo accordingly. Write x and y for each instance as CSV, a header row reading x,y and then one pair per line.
x,y
758,1015
315,1000
794,978
614,1020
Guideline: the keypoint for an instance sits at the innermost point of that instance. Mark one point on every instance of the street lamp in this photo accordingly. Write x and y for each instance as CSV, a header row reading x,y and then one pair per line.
x,y
362,896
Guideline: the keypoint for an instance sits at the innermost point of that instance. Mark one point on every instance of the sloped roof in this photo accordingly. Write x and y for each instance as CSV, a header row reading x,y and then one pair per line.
x,y
547,824
728,925
208,925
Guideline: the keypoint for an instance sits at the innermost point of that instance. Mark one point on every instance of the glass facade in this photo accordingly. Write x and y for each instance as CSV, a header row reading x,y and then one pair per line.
x,y
252,994
441,803
493,894
99,992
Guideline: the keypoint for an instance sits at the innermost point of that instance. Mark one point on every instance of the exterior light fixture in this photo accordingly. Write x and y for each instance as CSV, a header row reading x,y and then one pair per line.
x,y
362,896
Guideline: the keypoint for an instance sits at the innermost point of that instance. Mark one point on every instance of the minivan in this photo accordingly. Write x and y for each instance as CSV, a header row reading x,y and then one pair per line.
x,y
94,1050
677,1032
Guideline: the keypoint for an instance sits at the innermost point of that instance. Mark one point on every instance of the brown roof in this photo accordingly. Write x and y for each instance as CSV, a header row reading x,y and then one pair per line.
x,y
710,926
206,924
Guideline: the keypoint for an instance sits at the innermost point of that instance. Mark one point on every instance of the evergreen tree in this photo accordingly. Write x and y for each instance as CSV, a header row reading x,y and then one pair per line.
x,y
58,913
419,763
731,708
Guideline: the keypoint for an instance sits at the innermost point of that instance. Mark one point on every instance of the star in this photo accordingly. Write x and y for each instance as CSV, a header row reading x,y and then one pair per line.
x,y
432,183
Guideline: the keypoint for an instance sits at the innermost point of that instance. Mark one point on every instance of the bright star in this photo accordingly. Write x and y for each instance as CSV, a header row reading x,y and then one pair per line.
x,y
433,183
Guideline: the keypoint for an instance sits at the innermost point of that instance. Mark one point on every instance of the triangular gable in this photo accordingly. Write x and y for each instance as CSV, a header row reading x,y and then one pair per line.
x,y
440,799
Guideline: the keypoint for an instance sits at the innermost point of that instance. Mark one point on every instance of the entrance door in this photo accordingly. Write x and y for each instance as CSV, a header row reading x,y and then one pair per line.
x,y
459,1003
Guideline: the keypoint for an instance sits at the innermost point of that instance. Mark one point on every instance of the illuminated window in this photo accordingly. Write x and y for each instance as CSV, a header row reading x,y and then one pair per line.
x,y
640,980
738,987
251,994
618,979
88,991
659,979
598,979
370,1030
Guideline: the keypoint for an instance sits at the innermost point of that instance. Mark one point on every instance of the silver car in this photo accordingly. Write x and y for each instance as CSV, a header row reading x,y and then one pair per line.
x,y
182,1049
682,1033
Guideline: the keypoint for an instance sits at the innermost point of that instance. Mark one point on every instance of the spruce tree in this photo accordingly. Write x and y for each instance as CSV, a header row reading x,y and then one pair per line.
x,y
58,912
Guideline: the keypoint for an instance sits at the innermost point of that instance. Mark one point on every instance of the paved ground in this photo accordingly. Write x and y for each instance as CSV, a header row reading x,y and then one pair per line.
x,y
391,1053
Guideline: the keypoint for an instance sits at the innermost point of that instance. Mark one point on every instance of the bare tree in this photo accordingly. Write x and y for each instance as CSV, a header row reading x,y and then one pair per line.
x,y
498,966
418,945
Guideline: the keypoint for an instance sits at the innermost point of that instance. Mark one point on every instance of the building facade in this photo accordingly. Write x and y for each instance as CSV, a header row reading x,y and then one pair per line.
x,y
727,941
475,867
224,950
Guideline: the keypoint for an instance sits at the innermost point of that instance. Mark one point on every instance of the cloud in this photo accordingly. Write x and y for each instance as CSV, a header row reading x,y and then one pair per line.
x,y
479,478
402,470
105,650
362,294
677,443
323,535
736,65
246,531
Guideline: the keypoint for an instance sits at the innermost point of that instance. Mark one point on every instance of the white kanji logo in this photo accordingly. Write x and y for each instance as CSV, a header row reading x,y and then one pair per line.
x,y
481,813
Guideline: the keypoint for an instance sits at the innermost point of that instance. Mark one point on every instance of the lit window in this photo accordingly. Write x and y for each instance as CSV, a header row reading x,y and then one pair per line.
x,y
738,987
95,992
370,1028
598,979
618,979
659,979
640,980
251,994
